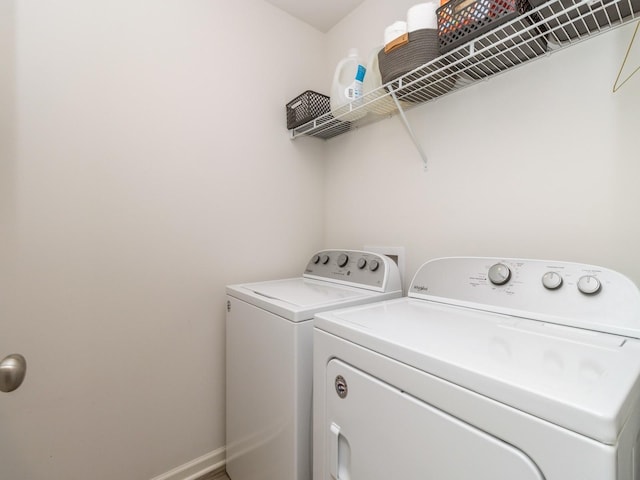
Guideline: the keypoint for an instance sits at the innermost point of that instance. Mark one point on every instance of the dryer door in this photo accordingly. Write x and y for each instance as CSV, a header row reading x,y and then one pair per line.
x,y
376,432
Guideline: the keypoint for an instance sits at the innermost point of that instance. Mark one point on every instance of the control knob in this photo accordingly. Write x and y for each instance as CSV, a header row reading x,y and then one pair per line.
x,y
551,280
343,259
499,274
589,285
374,265
315,259
362,263
324,259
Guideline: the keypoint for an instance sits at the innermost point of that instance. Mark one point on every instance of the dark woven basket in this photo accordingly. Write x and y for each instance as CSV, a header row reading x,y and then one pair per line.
x,y
594,16
421,49
460,21
305,107
524,43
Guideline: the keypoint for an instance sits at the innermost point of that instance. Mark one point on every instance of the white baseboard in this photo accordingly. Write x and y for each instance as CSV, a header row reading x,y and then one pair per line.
x,y
196,468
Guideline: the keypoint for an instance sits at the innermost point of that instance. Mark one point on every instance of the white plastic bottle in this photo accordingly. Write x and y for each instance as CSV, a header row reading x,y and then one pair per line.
x,y
379,103
347,87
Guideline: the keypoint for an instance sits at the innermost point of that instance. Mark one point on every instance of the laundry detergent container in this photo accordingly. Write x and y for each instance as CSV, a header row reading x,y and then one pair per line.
x,y
376,98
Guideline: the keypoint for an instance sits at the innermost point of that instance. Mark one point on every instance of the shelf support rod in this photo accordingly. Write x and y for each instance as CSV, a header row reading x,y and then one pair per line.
x,y
409,129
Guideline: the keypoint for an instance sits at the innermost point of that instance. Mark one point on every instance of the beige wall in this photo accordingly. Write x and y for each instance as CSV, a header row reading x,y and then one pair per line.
x,y
540,162
7,134
145,165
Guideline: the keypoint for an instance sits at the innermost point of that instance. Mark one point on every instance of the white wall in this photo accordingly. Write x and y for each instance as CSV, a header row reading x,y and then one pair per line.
x,y
145,165
541,162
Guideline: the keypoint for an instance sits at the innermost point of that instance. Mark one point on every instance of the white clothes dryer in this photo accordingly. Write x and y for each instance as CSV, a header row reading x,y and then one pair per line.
x,y
269,342
491,369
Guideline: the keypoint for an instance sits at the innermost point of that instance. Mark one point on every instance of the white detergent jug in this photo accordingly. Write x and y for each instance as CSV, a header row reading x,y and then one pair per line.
x,y
347,87
379,102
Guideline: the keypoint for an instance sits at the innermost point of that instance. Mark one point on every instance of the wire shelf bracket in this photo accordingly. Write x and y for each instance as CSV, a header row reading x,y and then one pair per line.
x,y
407,125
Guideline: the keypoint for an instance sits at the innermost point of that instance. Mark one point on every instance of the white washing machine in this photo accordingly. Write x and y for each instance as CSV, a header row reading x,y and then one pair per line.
x,y
491,369
269,343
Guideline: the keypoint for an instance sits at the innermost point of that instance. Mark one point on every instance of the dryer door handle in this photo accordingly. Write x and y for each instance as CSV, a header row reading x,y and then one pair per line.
x,y
334,438
339,454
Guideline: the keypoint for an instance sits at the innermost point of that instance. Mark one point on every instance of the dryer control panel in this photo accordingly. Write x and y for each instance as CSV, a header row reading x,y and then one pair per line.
x,y
354,267
573,294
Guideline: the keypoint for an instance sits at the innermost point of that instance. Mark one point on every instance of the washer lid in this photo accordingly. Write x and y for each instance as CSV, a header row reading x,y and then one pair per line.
x,y
582,380
299,299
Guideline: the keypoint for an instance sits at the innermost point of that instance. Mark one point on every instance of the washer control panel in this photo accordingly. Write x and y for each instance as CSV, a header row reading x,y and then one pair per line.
x,y
567,293
361,269
500,274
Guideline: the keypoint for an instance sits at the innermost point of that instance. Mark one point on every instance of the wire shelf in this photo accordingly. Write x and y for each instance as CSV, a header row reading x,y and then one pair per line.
x,y
543,30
